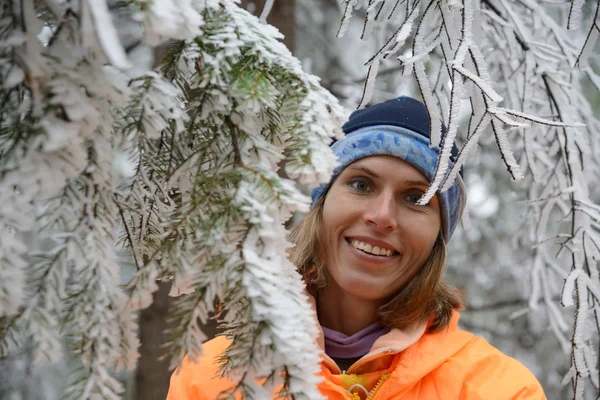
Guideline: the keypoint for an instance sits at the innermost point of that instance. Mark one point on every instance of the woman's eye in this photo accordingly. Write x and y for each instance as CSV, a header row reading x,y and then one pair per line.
x,y
360,185
414,197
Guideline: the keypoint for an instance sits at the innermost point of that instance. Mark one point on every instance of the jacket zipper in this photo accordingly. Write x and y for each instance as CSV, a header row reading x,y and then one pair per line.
x,y
383,378
370,357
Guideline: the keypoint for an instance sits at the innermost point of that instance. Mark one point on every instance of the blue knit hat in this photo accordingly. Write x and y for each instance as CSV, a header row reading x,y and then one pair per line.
x,y
397,127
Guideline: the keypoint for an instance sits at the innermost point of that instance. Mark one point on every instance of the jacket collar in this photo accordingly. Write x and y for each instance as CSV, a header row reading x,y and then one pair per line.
x,y
393,342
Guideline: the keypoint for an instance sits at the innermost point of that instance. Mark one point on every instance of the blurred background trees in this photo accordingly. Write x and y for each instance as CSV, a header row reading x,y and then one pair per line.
x,y
491,257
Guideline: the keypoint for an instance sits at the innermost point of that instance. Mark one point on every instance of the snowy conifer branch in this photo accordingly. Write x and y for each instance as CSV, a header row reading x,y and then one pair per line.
x,y
226,232
52,128
181,163
521,80
579,284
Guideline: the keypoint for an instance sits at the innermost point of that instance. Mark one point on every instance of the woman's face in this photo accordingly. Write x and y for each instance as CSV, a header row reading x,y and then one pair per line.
x,y
376,237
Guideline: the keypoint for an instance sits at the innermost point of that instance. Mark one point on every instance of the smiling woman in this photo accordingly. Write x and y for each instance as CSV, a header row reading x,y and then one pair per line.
x,y
372,258
372,207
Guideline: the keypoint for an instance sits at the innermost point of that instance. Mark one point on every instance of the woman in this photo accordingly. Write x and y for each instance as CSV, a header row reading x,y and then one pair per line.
x,y
373,261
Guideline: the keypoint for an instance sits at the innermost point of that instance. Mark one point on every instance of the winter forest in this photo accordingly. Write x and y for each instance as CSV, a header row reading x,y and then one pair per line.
x,y
153,155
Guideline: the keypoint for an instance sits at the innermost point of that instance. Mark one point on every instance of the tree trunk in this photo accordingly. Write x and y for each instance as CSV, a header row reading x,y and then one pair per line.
x,y
152,375
282,16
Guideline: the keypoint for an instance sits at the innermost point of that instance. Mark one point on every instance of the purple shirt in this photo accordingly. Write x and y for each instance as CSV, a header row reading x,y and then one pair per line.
x,y
339,345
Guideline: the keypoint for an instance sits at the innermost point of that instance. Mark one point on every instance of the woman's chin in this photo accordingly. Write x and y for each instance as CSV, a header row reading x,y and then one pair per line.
x,y
360,287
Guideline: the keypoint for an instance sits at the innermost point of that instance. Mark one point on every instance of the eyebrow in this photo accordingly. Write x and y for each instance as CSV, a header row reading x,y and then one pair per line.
x,y
374,175
365,170
418,183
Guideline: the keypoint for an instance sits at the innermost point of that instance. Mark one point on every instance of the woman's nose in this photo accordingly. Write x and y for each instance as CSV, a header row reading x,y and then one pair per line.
x,y
381,213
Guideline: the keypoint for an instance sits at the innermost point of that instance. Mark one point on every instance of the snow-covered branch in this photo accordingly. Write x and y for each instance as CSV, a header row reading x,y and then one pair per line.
x,y
181,163
512,66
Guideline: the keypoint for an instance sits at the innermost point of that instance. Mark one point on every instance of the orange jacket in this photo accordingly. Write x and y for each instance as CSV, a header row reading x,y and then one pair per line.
x,y
451,364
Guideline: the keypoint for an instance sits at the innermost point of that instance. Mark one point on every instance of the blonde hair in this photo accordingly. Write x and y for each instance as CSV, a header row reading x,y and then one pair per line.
x,y
426,296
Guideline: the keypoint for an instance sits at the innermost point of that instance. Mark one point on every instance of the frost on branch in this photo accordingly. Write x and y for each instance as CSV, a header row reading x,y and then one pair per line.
x,y
508,69
57,185
251,109
201,202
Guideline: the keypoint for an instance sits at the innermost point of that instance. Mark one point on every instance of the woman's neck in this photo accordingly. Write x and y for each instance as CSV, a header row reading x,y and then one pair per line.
x,y
343,312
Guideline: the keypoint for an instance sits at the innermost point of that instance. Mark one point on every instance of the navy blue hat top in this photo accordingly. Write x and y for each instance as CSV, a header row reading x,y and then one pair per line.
x,y
403,111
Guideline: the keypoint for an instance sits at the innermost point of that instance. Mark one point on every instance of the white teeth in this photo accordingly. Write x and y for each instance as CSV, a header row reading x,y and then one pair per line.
x,y
368,248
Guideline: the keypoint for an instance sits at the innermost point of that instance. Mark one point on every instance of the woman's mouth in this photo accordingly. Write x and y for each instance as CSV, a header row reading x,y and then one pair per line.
x,y
370,249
